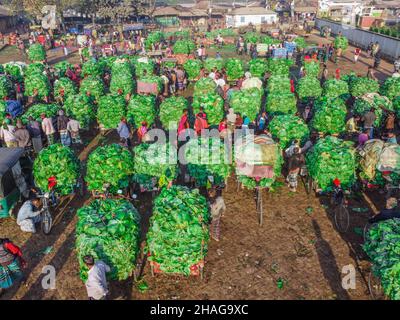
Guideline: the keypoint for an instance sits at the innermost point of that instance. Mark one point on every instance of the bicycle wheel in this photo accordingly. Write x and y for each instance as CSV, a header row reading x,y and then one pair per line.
x,y
342,218
375,287
47,222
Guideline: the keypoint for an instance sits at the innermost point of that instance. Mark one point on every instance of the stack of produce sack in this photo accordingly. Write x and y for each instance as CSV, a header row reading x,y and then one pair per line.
x,y
177,241
141,108
111,164
279,67
211,102
364,104
360,86
143,67
64,87
184,47
93,86
207,158
308,87
62,67
36,53
254,153
153,38
288,128
204,86
92,68
81,108
234,69
329,116
312,68
35,79
171,110
108,230
391,88
247,102
15,70
6,87
193,68
382,246
375,157
60,162
212,63
329,159
111,109
157,160
280,100
334,88
258,67
122,77
50,110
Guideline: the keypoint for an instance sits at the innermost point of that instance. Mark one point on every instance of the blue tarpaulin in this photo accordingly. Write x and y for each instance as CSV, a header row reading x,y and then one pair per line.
x,y
290,46
280,53
14,108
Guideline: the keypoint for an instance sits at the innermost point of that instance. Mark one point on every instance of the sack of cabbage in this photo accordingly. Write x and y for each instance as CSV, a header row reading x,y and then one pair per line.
x,y
177,241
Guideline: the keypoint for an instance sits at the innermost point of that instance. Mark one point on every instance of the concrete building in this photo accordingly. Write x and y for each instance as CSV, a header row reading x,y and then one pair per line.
x,y
255,15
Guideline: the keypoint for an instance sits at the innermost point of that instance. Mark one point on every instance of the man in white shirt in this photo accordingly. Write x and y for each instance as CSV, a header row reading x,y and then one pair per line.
x,y
73,128
96,284
7,134
48,128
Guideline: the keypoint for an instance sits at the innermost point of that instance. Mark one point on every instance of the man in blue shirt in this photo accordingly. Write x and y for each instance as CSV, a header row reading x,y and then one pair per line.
x,y
29,215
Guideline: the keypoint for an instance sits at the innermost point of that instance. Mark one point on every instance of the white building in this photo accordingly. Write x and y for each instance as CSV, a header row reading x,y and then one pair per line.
x,y
255,15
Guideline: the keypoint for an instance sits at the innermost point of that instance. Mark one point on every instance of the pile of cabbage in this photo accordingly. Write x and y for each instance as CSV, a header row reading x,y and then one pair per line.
x,y
141,108
329,159
110,164
247,102
208,158
108,230
287,128
177,241
60,162
112,108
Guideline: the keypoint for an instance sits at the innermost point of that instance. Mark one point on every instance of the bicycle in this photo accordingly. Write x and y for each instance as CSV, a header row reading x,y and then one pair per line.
x,y
341,212
48,200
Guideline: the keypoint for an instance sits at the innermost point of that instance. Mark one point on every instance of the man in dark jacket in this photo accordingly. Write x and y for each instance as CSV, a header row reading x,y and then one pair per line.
x,y
62,122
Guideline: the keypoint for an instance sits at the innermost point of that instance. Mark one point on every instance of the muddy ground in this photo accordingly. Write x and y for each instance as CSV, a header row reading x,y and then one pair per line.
x,y
297,243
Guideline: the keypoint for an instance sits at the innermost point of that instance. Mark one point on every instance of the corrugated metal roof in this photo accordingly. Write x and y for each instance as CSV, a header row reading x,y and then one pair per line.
x,y
5,12
251,11
165,11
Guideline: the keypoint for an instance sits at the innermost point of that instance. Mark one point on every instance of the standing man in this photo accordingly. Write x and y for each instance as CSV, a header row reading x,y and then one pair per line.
x,y
22,135
218,207
369,119
396,65
296,161
73,127
48,128
7,134
96,283
357,53
36,134
124,132
62,122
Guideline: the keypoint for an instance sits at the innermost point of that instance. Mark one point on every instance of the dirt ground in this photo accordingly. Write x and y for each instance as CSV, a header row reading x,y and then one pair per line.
x,y
298,243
